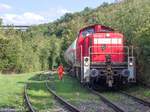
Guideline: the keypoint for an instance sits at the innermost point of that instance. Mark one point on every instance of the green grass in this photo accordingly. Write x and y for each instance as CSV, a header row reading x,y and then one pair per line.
x,y
38,94
70,89
140,92
11,90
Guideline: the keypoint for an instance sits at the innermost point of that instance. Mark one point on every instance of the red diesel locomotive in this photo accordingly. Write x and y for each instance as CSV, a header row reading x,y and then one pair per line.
x,y
99,54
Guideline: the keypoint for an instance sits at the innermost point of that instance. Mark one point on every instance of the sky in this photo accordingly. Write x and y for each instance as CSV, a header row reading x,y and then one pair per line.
x,y
32,12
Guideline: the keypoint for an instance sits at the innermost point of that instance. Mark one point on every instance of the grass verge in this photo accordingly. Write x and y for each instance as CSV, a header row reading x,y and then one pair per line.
x,y
71,89
68,88
39,96
140,92
11,90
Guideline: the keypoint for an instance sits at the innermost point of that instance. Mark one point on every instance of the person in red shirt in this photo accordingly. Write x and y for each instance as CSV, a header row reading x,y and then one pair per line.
x,y
60,71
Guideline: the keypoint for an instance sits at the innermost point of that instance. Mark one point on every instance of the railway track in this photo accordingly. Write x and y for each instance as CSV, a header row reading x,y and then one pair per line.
x,y
139,104
89,106
126,102
27,102
121,107
67,105
107,101
144,106
141,101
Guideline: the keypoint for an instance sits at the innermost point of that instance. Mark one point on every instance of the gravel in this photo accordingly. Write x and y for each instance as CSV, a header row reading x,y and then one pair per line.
x,y
93,106
58,107
128,104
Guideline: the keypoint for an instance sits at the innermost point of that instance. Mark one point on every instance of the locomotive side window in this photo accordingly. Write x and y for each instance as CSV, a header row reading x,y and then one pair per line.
x,y
87,32
105,29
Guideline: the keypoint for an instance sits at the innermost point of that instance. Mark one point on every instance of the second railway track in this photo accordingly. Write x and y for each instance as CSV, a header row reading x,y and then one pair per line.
x,y
107,101
27,101
69,106
58,107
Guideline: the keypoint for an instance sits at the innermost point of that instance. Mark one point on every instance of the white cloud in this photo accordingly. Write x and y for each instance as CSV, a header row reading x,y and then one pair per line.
x,y
54,13
4,7
33,18
62,11
27,18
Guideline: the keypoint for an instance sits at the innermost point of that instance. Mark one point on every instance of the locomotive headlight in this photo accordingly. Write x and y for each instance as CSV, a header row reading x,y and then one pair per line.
x,y
86,61
131,64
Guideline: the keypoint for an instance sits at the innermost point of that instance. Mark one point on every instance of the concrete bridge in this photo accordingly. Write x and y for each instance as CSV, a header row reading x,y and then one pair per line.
x,y
16,27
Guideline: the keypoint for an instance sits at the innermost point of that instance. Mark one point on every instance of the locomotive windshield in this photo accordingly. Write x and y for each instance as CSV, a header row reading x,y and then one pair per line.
x,y
105,30
87,32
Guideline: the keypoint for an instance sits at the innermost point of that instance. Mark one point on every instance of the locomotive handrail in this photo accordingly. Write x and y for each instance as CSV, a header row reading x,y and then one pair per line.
x,y
102,53
107,53
81,65
110,52
111,49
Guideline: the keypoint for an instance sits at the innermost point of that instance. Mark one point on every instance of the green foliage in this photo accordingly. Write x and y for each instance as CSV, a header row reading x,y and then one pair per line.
x,y
21,53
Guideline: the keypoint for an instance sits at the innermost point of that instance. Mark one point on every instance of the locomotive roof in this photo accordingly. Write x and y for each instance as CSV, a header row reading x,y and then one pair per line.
x,y
94,25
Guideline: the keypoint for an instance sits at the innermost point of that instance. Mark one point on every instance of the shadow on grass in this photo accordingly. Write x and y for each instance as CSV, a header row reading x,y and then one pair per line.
x,y
38,94
38,83
65,87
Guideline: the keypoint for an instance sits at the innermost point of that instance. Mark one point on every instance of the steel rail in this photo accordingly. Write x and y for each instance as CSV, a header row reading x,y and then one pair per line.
x,y
61,100
141,101
106,101
27,102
